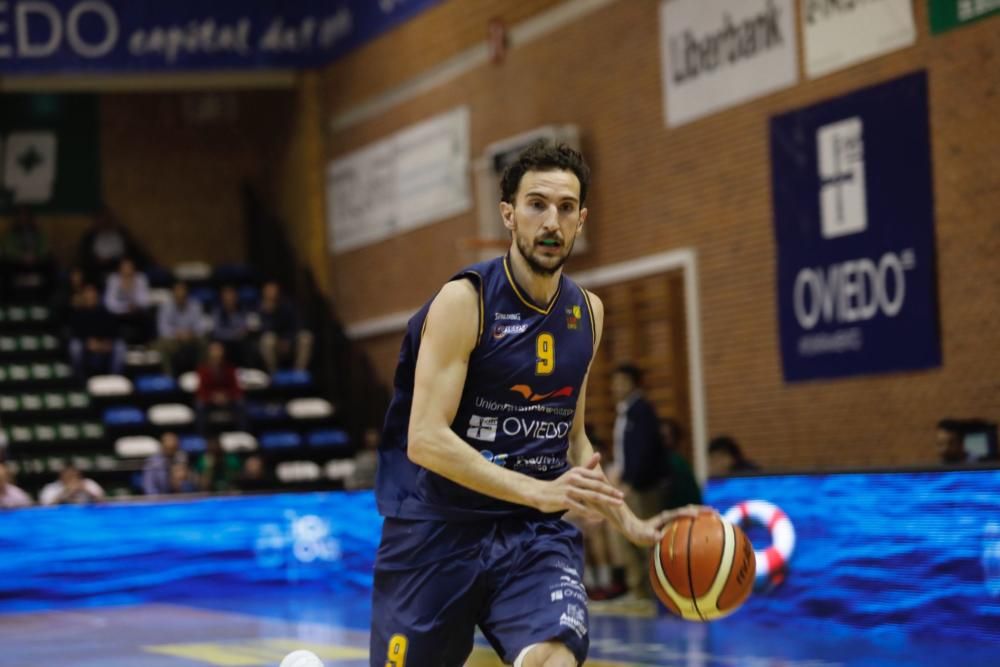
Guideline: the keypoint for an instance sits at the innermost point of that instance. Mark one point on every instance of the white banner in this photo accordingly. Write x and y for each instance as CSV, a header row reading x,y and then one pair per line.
x,y
718,53
840,34
412,178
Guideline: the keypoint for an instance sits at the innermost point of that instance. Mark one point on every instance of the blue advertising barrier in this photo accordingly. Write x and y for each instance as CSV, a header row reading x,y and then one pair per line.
x,y
901,557
206,548
854,227
907,564
63,36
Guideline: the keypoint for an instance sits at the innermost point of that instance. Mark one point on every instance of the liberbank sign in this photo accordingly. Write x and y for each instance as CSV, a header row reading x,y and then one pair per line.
x,y
854,227
719,53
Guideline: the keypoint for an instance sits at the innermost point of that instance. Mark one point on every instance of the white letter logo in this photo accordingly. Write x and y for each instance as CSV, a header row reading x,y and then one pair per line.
x,y
841,149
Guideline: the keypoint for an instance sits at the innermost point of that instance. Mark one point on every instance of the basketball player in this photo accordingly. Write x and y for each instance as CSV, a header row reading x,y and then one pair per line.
x,y
484,448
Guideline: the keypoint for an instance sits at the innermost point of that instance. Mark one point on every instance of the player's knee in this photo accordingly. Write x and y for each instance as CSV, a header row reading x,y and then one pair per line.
x,y
547,654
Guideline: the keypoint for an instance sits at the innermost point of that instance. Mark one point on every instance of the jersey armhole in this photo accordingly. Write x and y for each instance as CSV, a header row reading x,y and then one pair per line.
x,y
590,316
476,279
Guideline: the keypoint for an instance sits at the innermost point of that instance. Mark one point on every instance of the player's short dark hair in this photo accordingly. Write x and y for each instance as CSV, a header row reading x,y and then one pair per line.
x,y
543,155
631,371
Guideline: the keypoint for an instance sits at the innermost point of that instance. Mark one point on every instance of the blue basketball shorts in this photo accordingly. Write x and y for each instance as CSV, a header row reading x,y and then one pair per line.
x,y
518,579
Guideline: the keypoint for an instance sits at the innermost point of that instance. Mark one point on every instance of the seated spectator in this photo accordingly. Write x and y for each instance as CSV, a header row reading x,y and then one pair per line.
x,y
104,244
26,260
94,345
126,295
680,487
229,325
180,327
950,442
69,294
71,488
218,388
256,475
157,472
11,497
281,337
181,479
725,457
217,469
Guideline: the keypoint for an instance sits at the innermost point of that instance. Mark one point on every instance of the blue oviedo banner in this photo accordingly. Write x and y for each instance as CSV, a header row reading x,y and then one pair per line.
x,y
50,36
854,226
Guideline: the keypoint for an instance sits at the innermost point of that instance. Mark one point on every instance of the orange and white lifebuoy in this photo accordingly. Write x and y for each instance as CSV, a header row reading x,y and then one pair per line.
x,y
774,558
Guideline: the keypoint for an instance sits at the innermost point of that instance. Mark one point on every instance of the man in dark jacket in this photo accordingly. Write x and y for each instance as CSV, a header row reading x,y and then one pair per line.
x,y
637,466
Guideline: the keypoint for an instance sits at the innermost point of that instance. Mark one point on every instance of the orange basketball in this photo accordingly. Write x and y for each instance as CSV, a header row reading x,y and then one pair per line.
x,y
703,568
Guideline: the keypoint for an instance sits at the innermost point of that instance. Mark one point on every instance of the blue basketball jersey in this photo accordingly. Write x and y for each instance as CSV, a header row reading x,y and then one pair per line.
x,y
517,407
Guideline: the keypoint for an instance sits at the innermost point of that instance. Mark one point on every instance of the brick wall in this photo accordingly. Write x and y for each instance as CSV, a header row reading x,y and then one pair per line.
x,y
706,186
175,181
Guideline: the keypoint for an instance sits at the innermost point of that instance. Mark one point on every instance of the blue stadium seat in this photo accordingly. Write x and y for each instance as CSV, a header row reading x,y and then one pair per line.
x,y
124,415
192,444
279,440
291,378
233,274
249,296
155,384
159,276
265,412
208,297
329,437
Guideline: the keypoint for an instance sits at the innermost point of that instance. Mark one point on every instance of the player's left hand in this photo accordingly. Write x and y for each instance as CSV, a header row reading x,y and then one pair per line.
x,y
647,532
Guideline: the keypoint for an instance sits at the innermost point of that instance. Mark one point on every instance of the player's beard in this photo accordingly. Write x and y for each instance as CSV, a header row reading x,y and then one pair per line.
x,y
527,247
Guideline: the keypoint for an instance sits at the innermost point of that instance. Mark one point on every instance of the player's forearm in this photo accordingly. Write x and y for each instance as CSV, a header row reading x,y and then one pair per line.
x,y
446,454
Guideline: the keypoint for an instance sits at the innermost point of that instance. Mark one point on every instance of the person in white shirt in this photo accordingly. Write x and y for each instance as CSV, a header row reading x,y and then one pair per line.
x,y
126,296
11,497
71,488
181,327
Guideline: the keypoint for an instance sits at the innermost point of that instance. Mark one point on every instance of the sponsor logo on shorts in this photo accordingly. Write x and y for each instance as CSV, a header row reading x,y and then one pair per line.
x,y
574,618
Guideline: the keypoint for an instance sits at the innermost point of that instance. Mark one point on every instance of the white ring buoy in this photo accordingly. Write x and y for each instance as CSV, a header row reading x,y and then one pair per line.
x,y
776,556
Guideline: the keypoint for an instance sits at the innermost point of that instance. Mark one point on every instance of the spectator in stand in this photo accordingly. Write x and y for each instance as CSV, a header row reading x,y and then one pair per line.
x,y
181,479
218,388
95,347
27,263
229,325
281,337
158,471
11,497
217,469
725,456
104,244
69,294
126,295
180,327
256,475
71,488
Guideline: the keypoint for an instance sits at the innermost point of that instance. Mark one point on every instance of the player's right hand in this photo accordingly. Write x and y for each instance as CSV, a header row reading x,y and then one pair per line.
x,y
581,489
